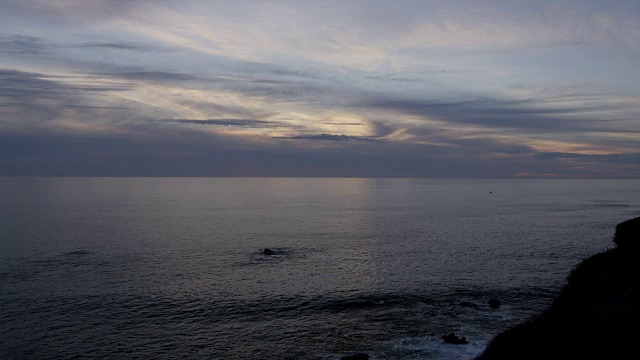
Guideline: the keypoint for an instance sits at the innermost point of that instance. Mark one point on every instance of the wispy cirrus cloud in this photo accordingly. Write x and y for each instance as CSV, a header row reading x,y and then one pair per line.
x,y
35,86
527,115
241,123
128,46
334,137
455,88
32,45
22,45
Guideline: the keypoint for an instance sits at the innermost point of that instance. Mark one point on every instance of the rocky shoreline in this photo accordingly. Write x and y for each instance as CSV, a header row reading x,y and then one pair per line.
x,y
596,315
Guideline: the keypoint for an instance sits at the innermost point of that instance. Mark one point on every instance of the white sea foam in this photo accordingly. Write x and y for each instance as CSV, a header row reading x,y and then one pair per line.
x,y
432,347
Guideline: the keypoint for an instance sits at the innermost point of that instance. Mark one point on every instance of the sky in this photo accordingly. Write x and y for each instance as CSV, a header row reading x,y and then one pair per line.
x,y
469,89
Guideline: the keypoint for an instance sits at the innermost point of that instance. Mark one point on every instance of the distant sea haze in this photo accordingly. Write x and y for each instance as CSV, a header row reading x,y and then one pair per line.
x,y
176,267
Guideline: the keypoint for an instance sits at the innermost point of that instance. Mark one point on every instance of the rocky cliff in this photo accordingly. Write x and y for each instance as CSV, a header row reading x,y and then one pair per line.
x,y
596,315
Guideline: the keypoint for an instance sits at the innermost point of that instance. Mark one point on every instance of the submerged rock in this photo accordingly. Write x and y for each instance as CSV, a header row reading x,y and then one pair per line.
x,y
494,304
453,339
596,315
358,356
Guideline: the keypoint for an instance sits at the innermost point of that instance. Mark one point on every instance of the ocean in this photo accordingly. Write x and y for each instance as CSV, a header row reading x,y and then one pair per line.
x,y
163,268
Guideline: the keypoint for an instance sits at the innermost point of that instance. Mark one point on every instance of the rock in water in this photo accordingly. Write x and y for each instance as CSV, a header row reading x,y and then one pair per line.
x,y
596,315
494,304
268,251
453,339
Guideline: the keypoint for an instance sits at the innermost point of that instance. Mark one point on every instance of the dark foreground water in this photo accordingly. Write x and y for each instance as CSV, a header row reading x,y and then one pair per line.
x,y
173,267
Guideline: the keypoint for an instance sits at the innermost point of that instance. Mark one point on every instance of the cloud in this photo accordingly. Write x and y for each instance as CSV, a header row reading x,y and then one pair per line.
x,y
33,99
332,137
527,115
86,11
629,158
157,76
242,123
343,123
120,46
22,45
155,148
456,88
591,165
167,151
35,86
192,154
32,45
62,106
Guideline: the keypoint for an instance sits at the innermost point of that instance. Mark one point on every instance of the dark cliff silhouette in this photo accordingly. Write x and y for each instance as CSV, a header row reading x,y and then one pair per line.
x,y
596,315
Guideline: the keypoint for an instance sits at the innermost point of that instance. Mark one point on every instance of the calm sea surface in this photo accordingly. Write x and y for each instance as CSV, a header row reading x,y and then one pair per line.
x,y
174,267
